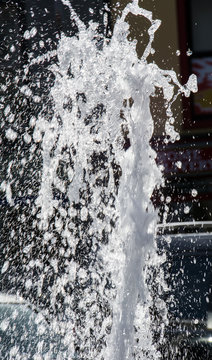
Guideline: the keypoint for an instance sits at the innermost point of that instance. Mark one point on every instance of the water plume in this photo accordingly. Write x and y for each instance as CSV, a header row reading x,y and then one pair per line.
x,y
93,221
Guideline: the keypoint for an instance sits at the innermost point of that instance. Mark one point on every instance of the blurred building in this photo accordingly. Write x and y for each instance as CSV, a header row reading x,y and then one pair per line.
x,y
182,43
188,162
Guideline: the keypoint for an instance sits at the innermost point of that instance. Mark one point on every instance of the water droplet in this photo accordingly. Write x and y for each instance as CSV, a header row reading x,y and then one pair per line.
x,y
179,164
194,192
12,48
11,134
189,52
187,210
5,267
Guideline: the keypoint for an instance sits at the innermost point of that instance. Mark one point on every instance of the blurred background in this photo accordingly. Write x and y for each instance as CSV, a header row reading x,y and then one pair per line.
x,y
183,43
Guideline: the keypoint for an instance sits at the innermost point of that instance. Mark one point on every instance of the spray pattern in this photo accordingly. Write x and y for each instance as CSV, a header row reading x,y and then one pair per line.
x,y
98,175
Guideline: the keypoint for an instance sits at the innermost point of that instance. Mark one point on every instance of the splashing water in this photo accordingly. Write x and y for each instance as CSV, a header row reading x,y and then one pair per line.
x,y
93,225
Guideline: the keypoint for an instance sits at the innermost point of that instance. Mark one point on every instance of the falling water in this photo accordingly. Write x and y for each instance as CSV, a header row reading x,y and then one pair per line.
x,y
90,232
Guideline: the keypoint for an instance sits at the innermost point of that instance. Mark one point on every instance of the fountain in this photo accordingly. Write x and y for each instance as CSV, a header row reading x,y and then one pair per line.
x,y
81,246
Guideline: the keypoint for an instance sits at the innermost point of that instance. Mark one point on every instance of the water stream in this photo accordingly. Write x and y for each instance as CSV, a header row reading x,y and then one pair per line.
x,y
88,235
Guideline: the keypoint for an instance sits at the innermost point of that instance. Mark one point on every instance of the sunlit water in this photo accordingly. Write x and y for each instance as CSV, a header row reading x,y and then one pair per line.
x,y
90,237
